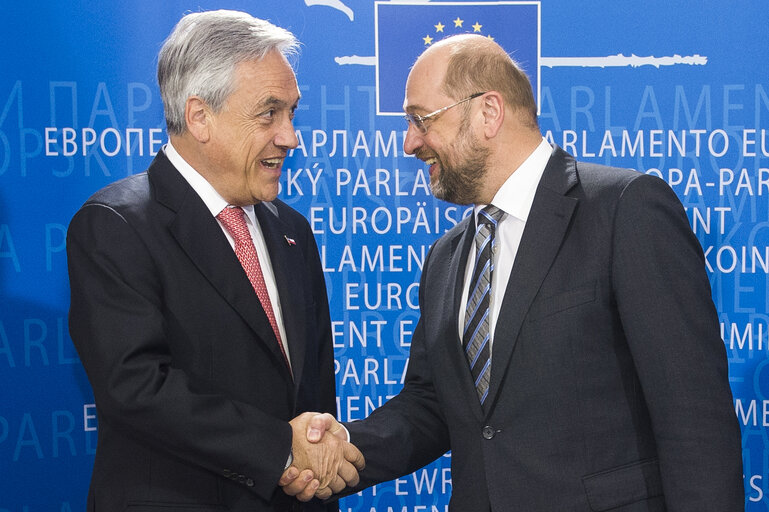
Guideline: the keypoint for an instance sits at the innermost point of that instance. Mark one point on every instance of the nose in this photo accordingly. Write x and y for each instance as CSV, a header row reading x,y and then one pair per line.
x,y
413,140
286,136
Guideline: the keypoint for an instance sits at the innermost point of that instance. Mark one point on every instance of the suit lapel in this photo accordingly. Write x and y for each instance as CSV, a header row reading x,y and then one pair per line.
x,y
546,226
286,258
460,248
201,238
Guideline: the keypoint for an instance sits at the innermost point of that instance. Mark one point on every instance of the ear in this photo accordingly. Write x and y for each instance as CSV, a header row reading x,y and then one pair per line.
x,y
493,110
197,115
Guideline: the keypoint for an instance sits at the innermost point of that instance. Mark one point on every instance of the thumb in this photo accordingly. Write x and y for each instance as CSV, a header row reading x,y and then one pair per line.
x,y
318,425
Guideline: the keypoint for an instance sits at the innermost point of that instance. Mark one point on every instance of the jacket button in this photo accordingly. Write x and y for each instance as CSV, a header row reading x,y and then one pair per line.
x,y
488,432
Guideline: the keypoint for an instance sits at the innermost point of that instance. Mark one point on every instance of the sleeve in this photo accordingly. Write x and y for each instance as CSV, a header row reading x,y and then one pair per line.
x,y
324,340
326,381
118,325
412,420
671,324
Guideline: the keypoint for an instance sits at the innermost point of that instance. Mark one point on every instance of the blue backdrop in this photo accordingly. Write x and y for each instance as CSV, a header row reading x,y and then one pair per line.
x,y
676,89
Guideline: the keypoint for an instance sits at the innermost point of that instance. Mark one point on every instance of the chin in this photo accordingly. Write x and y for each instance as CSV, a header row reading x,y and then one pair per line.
x,y
265,197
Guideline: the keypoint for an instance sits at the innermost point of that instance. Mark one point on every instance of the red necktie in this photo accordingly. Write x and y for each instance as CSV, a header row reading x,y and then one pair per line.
x,y
235,224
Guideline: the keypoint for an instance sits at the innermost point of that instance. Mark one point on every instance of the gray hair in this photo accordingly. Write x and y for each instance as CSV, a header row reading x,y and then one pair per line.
x,y
200,56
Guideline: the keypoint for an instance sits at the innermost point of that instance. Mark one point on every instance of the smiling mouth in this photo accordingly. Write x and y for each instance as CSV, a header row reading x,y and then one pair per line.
x,y
431,162
272,163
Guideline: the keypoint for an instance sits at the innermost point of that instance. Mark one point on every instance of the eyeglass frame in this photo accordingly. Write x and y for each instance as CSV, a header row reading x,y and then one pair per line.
x,y
419,121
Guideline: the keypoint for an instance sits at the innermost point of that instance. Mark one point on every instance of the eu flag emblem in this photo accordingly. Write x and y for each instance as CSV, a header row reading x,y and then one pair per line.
x,y
405,29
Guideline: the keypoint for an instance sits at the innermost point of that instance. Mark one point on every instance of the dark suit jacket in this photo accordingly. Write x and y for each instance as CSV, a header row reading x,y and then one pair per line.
x,y
609,386
192,393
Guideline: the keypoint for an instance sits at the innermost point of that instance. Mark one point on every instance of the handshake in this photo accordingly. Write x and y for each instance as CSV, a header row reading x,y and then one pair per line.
x,y
324,463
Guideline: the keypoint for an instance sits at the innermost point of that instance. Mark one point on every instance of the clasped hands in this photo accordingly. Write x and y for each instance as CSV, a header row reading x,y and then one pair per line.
x,y
324,462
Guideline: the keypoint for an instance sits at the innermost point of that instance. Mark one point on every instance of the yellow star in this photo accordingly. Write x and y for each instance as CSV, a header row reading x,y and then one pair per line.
x,y
439,27
477,27
490,38
428,40
458,22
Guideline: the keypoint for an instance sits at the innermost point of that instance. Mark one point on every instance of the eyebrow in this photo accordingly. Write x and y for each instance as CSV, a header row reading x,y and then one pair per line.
x,y
272,102
415,108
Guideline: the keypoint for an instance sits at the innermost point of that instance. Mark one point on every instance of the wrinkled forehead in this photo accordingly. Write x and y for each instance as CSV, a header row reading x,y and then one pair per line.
x,y
271,75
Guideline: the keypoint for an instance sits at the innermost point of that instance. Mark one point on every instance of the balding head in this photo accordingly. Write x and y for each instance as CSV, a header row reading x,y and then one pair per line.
x,y
471,149
472,63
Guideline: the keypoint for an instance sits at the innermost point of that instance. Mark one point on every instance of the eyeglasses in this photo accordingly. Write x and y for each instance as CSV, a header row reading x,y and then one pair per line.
x,y
419,121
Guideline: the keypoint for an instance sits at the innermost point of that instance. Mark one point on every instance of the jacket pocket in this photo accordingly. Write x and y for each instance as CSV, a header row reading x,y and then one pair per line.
x,y
553,304
623,485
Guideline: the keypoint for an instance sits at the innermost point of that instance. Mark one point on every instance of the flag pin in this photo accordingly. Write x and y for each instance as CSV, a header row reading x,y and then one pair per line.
x,y
289,241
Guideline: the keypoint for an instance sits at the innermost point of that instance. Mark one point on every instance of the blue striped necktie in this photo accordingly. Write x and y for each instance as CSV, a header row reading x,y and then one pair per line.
x,y
476,337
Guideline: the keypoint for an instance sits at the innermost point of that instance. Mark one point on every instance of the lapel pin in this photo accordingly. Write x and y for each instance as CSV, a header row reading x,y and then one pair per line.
x,y
289,241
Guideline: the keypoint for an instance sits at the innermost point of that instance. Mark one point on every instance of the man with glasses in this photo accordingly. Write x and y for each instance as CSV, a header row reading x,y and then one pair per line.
x,y
568,351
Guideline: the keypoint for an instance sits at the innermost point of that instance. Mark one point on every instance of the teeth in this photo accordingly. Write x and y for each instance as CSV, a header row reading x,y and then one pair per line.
x,y
431,161
272,162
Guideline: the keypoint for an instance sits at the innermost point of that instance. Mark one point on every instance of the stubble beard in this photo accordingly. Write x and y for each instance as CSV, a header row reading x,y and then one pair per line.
x,y
462,172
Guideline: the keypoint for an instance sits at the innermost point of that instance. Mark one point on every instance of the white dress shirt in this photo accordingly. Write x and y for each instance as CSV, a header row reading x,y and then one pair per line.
x,y
514,197
216,203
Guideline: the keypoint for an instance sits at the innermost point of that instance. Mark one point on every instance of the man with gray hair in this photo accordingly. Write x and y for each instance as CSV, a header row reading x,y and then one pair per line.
x,y
198,306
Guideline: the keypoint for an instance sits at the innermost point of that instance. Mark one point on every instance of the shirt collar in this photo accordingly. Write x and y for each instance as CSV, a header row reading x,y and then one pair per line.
x,y
516,194
213,200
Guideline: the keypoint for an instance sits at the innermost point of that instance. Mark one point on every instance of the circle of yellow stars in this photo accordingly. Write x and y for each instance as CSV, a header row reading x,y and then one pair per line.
x,y
458,23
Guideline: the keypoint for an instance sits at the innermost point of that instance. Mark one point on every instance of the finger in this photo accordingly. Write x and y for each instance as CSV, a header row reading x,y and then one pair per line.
x,y
296,486
324,493
288,476
349,474
309,492
318,425
337,484
353,455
